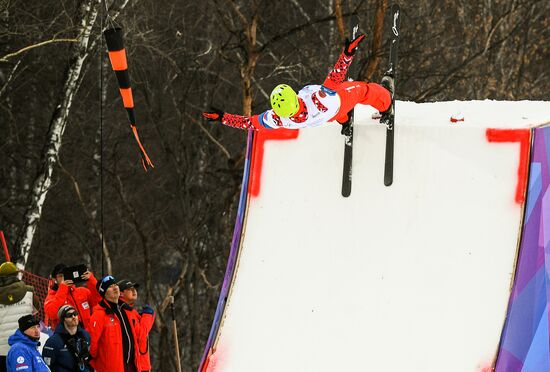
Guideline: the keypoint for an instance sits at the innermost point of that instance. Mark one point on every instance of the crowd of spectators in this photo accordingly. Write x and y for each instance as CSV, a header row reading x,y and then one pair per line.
x,y
90,325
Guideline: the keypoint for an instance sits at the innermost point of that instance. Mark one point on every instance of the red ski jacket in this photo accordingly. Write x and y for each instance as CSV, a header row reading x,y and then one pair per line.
x,y
83,299
146,322
106,330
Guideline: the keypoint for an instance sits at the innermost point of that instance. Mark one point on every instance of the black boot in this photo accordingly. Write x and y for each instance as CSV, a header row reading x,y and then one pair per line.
x,y
347,130
388,83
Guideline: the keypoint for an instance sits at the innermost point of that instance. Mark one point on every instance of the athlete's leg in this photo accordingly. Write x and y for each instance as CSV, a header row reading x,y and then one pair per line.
x,y
377,97
353,92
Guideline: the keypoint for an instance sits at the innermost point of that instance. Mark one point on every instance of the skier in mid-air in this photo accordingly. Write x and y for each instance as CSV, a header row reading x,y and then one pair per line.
x,y
314,105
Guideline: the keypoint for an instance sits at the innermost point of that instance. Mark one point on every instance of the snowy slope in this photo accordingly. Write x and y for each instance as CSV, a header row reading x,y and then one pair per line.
x,y
412,277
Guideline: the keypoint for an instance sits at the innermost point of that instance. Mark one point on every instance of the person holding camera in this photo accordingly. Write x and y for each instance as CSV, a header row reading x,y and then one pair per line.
x,y
68,350
64,292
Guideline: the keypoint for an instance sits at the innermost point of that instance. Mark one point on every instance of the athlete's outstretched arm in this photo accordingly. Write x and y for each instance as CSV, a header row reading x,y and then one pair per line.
x,y
234,120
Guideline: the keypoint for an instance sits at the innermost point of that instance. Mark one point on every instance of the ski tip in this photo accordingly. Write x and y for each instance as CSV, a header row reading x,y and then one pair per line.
x,y
346,189
388,181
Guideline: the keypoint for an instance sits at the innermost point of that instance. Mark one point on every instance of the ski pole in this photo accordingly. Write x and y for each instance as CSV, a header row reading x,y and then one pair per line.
x,y
175,329
5,246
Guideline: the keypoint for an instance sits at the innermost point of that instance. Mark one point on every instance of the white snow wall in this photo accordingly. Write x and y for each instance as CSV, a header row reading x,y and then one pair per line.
x,y
411,277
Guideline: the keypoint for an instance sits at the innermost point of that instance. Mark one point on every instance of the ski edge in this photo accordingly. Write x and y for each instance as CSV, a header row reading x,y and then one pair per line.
x,y
348,140
392,70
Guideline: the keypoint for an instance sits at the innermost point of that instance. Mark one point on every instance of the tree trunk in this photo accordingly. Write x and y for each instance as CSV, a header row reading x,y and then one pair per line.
x,y
339,19
50,156
247,70
376,45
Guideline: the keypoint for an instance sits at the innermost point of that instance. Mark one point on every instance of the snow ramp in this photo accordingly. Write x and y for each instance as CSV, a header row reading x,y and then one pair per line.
x,y
443,270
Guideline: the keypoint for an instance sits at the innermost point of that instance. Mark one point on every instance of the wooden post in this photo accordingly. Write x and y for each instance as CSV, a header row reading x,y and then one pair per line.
x,y
175,329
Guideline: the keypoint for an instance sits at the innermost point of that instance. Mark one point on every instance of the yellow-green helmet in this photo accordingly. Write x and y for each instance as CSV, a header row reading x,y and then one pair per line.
x,y
7,269
284,101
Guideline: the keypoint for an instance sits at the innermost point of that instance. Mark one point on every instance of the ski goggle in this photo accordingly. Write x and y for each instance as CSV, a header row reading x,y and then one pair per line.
x,y
107,278
105,283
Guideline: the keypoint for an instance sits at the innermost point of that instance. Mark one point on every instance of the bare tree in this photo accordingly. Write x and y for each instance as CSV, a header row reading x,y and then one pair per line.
x,y
42,184
174,224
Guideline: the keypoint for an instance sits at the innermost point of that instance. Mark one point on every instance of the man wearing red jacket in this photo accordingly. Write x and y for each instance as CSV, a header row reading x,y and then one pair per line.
x,y
114,331
64,292
146,318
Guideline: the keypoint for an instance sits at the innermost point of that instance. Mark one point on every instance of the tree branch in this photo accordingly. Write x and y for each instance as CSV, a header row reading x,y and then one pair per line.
x,y
27,48
9,77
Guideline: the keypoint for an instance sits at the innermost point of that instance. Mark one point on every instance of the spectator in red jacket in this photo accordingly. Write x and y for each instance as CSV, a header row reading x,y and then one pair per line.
x,y
64,292
146,318
115,332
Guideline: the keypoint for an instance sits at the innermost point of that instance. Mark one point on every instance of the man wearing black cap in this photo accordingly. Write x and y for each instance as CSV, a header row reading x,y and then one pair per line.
x,y
23,354
114,332
68,350
64,292
128,291
146,319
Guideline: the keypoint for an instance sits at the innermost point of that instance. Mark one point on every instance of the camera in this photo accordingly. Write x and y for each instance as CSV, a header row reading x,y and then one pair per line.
x,y
74,273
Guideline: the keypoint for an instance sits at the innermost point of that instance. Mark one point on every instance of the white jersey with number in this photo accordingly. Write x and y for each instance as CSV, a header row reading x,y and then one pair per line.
x,y
9,316
322,104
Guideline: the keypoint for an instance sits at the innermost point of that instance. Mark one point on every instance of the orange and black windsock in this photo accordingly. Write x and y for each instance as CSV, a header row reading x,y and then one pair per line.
x,y
117,55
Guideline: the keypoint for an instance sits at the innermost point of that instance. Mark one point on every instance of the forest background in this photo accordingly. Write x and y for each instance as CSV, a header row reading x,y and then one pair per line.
x,y
72,187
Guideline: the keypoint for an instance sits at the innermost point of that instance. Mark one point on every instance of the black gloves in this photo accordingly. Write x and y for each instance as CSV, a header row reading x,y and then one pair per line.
x,y
350,47
213,115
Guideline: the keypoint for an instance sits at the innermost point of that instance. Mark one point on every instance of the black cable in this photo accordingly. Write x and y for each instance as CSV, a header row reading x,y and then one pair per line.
x,y
101,15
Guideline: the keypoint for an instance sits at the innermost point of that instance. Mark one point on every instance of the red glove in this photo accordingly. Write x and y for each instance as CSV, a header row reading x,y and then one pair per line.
x,y
214,115
351,46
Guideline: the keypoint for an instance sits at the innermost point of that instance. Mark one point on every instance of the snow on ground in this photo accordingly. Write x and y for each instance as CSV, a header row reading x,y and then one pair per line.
x,y
412,277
